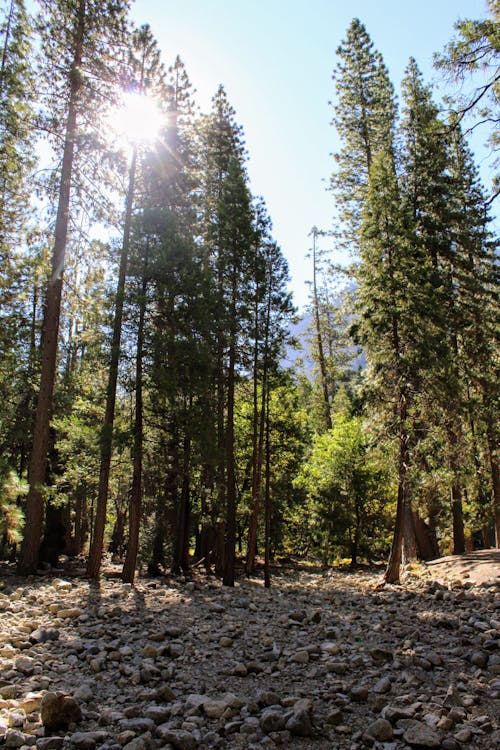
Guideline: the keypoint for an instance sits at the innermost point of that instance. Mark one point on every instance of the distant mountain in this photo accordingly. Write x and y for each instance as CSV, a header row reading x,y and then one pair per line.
x,y
302,332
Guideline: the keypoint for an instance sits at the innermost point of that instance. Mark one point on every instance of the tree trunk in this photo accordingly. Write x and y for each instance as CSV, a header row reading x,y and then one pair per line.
x,y
259,437
180,561
456,494
267,500
495,480
134,515
393,566
230,537
319,339
28,557
96,549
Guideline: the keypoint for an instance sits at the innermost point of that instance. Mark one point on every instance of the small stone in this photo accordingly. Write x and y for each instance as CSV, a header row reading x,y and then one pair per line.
x,y
382,686
26,665
159,714
69,614
138,725
359,693
31,702
88,740
380,730
334,716
42,635
58,711
50,743
419,735
13,738
300,724
272,720
479,659
464,735
180,739
214,708
84,693
300,657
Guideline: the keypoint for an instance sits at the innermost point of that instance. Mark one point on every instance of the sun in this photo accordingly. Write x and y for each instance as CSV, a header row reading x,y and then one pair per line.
x,y
138,119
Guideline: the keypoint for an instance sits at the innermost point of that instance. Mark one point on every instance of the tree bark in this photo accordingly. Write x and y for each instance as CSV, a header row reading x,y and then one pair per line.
x,y
393,566
134,515
319,339
230,537
259,437
96,549
495,480
30,547
267,496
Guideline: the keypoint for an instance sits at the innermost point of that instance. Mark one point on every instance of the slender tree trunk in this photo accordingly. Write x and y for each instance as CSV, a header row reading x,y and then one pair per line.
x,y
495,479
28,557
5,49
96,549
134,515
230,537
456,495
319,339
267,500
393,566
180,562
259,438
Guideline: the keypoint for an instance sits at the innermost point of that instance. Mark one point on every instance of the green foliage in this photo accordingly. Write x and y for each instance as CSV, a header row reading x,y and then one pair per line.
x,y
474,55
347,487
12,488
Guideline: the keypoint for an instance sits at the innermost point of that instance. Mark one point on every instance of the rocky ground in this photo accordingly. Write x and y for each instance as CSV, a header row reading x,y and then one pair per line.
x,y
320,660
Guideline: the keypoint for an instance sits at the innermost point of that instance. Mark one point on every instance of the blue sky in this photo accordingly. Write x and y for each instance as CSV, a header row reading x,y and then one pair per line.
x,y
275,59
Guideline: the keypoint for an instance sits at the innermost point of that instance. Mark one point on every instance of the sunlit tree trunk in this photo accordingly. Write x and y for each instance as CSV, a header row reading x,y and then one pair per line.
x,y
134,515
96,549
28,557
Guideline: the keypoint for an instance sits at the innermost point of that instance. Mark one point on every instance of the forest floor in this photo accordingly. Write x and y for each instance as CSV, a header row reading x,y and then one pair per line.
x,y
322,659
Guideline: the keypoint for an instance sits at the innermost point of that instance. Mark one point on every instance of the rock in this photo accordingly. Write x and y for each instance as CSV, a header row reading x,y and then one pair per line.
x,y
479,659
214,708
180,739
58,711
84,693
417,734
464,735
31,702
334,716
300,657
272,720
159,714
359,693
88,740
382,686
13,738
69,614
379,730
50,743
140,743
25,664
42,635
300,724
138,725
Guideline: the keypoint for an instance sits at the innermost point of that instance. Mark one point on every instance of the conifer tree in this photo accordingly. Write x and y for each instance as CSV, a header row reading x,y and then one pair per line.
x,y
229,237
146,75
78,71
364,115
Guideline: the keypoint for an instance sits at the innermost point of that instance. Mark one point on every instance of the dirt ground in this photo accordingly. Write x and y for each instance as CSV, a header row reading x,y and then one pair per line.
x,y
477,567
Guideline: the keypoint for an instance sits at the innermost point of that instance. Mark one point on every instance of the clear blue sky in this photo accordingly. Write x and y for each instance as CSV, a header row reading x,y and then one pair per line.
x,y
275,59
